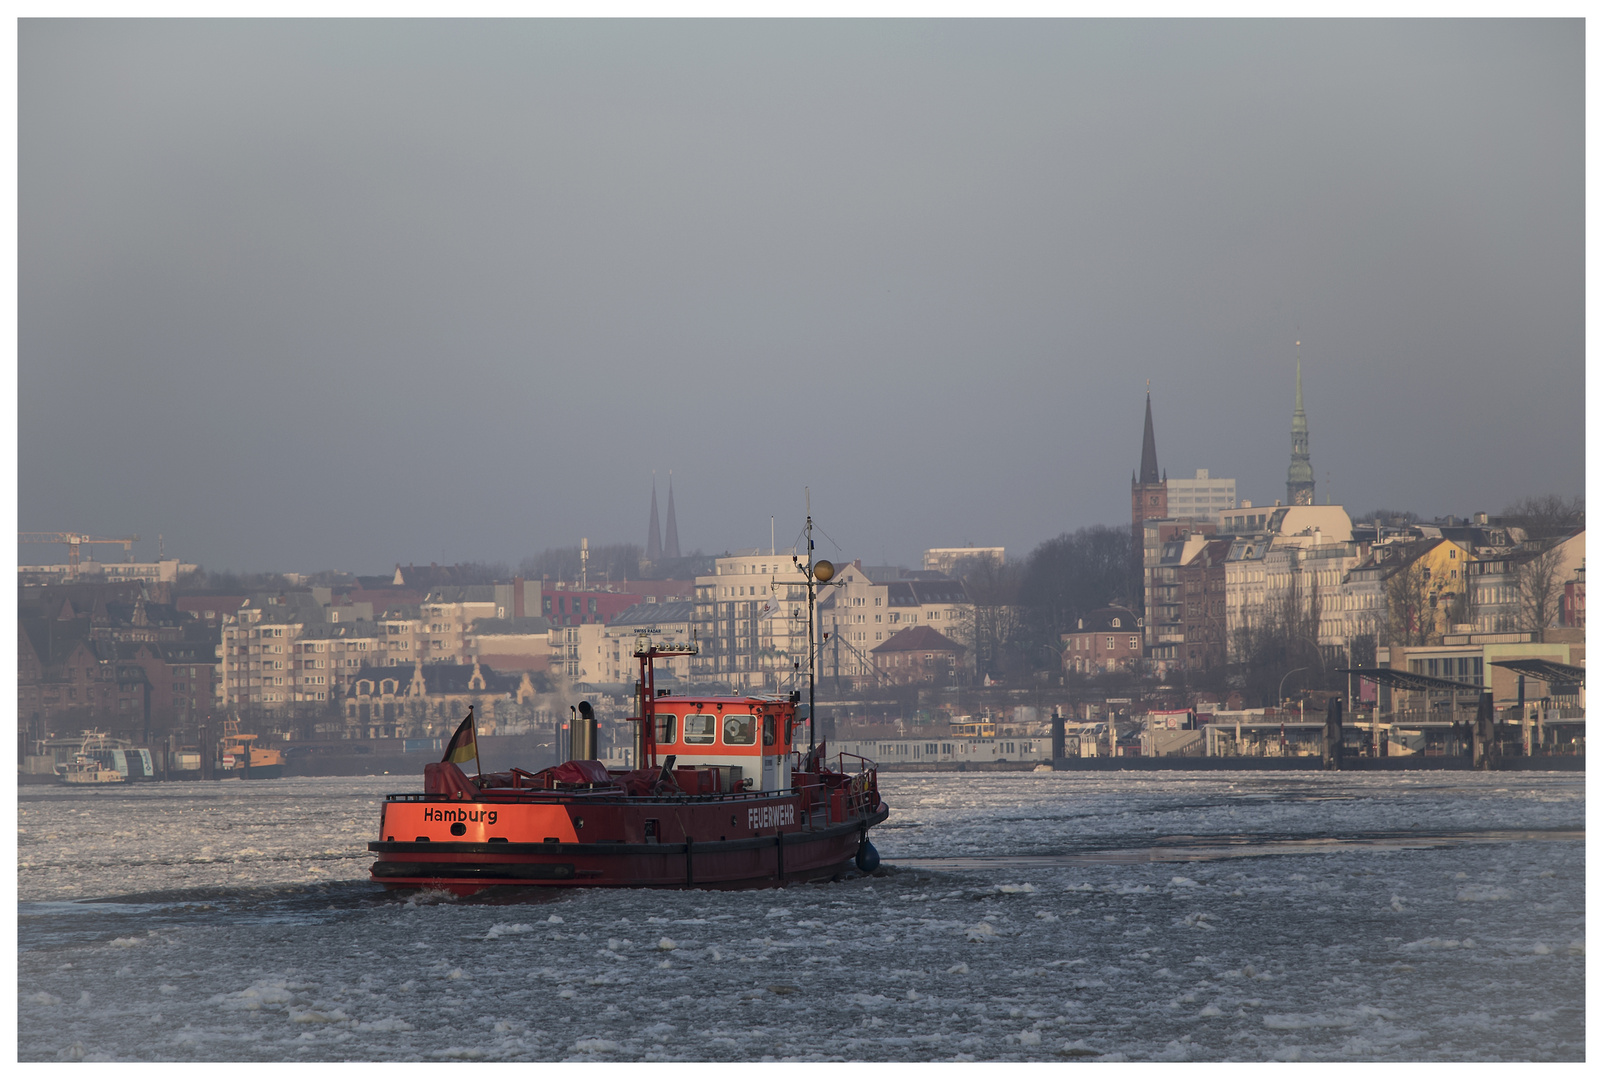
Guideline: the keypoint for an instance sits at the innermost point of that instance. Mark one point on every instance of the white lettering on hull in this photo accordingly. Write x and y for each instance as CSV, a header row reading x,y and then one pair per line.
x,y
768,817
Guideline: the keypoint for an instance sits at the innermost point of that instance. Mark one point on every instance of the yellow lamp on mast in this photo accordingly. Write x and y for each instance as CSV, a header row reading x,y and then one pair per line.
x,y
823,570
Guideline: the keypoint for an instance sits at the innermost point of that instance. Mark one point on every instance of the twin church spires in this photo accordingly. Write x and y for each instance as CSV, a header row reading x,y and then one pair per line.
x,y
655,547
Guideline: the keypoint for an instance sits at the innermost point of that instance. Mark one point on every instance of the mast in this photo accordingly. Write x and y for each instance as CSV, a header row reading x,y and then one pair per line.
x,y
812,614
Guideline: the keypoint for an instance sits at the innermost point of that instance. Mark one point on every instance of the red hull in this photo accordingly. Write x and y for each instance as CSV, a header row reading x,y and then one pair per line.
x,y
604,840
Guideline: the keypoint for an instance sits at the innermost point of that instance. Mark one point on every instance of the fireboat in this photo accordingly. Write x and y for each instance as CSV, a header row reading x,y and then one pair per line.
x,y
733,802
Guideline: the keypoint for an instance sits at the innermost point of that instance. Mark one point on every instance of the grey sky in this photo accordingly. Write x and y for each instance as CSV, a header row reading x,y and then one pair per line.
x,y
307,295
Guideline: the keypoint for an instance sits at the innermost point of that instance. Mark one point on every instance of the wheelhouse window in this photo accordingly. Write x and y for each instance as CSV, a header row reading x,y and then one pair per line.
x,y
768,730
700,728
666,723
740,730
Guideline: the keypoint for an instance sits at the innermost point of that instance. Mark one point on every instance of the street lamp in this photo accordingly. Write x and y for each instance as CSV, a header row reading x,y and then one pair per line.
x,y
1279,693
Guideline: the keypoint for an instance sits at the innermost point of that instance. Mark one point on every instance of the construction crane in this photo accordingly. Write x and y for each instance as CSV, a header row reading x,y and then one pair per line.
x,y
74,542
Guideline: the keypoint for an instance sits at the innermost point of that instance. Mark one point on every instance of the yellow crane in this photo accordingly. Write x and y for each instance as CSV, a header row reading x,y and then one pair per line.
x,y
76,541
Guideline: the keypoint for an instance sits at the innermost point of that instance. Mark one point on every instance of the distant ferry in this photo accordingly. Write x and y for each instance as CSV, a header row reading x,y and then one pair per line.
x,y
89,767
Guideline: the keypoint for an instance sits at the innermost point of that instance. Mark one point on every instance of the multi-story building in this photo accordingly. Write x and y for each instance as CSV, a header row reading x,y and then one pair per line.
x,y
159,572
568,606
1372,602
1301,555
918,654
1575,599
426,701
281,655
1504,584
1246,519
869,604
944,560
750,621
1107,639
1185,621
659,624
1202,498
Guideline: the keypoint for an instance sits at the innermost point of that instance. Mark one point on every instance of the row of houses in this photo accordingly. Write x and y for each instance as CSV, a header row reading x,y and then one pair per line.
x,y
1309,571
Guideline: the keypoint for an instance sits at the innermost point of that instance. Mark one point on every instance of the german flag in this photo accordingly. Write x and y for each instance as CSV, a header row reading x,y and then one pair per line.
x,y
464,746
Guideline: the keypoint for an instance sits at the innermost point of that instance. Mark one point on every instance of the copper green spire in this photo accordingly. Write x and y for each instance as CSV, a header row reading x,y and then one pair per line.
x,y
1300,477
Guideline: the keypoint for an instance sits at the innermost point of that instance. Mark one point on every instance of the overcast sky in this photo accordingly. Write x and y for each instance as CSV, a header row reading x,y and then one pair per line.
x,y
312,295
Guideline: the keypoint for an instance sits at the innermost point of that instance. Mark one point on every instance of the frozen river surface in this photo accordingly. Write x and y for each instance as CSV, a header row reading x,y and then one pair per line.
x,y
1141,917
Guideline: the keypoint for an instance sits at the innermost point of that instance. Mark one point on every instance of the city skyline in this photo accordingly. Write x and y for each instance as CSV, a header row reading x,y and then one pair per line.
x,y
451,294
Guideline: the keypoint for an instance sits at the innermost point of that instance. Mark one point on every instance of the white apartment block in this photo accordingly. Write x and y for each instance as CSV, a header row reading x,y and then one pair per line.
x,y
1308,549
1202,498
750,621
943,560
282,652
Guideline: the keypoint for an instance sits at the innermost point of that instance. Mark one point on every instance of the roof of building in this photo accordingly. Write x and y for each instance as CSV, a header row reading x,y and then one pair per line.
x,y
438,678
918,638
1108,618
675,611
461,594
920,592
523,624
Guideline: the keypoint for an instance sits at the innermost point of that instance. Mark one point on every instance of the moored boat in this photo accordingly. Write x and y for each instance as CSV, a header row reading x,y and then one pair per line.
x,y
240,756
88,766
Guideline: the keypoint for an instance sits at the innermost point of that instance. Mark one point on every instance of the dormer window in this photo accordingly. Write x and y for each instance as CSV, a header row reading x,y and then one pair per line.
x,y
1115,624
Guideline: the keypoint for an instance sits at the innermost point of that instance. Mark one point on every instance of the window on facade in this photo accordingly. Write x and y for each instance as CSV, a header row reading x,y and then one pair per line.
x,y
1110,643
700,729
1135,642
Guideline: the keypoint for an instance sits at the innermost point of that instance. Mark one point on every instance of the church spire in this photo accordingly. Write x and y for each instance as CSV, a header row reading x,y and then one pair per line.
x,y
670,544
1300,477
654,536
1149,446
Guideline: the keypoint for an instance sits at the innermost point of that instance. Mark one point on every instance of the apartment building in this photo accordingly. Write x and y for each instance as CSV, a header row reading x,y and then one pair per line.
x,y
1303,554
750,621
1503,584
1202,498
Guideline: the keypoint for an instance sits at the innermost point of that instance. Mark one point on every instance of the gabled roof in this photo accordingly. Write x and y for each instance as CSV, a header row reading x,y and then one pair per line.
x,y
438,679
916,639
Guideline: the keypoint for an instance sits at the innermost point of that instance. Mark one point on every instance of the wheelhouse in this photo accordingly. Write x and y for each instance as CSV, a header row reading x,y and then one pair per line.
x,y
754,735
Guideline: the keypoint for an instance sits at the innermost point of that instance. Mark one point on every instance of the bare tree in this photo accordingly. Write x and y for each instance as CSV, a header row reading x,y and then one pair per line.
x,y
1543,516
994,619
1286,639
1072,575
1539,587
1410,606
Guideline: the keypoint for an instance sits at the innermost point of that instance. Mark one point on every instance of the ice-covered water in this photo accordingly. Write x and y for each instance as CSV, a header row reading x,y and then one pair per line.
x,y
1018,916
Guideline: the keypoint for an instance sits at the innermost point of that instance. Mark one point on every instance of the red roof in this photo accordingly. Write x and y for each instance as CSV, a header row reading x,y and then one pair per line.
x,y
918,638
